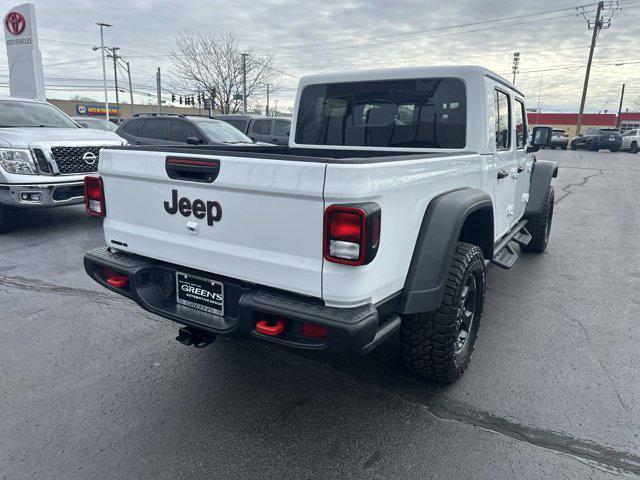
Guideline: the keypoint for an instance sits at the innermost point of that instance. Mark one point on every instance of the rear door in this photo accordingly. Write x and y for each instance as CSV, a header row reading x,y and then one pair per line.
x,y
523,160
503,168
259,220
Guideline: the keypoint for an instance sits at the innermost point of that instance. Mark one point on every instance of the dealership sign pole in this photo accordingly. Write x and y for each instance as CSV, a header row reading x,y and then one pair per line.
x,y
26,78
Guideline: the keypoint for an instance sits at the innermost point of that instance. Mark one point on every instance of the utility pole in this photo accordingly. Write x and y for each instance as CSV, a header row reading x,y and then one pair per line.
x,y
596,26
539,93
130,89
514,67
267,110
620,107
159,94
104,67
114,55
244,82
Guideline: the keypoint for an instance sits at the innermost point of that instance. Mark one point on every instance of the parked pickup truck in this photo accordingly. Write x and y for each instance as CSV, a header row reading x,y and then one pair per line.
x,y
44,156
397,190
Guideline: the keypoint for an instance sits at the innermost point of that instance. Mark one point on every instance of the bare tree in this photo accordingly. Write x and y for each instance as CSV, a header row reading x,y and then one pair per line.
x,y
204,62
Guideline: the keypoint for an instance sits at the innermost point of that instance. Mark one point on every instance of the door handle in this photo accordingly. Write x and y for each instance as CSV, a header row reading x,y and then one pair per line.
x,y
502,174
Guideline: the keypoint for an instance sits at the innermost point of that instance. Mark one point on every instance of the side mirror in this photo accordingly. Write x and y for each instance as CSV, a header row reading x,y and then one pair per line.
x,y
541,138
193,141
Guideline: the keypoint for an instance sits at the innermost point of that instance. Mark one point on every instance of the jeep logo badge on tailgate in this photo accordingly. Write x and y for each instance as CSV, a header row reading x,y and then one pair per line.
x,y
199,208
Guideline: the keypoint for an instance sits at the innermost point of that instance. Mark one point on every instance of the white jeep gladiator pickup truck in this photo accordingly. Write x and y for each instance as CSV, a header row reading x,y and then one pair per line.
x,y
44,156
396,191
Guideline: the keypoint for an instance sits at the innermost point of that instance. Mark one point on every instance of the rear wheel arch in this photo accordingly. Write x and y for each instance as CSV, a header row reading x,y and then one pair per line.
x,y
465,214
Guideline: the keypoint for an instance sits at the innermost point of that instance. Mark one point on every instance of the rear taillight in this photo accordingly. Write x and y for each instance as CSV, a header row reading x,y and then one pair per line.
x,y
94,196
352,233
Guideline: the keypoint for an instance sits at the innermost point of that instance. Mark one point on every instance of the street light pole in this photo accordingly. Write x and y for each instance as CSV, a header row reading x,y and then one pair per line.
x,y
104,68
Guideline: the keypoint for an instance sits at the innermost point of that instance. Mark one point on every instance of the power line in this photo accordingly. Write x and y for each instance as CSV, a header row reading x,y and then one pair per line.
x,y
464,25
360,45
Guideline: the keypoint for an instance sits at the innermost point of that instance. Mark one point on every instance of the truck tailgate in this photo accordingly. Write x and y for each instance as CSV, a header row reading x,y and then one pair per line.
x,y
270,226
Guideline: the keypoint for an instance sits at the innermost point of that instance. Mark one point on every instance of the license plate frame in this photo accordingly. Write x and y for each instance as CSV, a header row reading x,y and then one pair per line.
x,y
201,293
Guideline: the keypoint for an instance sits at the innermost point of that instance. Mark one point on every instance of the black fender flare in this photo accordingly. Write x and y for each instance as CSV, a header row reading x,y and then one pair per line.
x,y
441,227
541,175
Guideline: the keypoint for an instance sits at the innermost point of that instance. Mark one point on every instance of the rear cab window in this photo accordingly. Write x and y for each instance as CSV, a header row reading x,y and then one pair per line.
x,y
408,113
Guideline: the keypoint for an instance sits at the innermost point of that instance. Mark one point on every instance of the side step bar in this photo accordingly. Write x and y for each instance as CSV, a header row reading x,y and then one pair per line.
x,y
504,255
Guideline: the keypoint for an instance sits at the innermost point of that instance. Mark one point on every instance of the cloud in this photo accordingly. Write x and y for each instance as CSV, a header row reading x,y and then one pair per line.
x,y
307,37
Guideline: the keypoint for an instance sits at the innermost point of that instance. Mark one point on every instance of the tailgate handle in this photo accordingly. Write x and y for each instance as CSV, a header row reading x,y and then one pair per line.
x,y
192,169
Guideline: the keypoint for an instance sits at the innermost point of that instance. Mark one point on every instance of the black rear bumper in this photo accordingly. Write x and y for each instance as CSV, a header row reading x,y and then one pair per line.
x,y
150,285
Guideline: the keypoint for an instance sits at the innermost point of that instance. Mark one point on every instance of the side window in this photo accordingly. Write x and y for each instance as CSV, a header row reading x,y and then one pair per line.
x,y
133,127
179,130
281,129
503,121
239,124
154,128
261,127
521,124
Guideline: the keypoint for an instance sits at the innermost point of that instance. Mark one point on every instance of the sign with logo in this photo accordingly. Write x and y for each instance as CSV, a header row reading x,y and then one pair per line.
x,y
96,110
26,78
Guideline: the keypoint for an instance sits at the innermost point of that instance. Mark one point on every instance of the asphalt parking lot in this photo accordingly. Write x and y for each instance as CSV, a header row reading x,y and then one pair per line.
x,y
91,386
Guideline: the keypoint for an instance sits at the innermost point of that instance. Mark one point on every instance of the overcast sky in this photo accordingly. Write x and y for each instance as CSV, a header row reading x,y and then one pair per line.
x,y
320,36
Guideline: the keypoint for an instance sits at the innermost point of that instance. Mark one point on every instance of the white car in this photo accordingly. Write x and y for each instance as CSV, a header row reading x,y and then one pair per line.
x,y
44,156
631,141
397,189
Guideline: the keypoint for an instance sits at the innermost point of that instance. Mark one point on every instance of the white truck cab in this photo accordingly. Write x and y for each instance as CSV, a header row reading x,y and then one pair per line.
x,y
398,187
44,156
631,141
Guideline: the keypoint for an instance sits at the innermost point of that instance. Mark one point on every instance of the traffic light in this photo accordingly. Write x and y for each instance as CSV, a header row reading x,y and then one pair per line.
x,y
173,98
180,99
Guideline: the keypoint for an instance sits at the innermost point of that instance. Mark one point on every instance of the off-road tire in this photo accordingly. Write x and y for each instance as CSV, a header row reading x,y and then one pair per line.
x,y
6,219
613,150
428,341
539,226
634,147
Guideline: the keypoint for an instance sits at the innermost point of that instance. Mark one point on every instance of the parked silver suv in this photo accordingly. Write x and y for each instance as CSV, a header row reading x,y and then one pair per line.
x,y
44,156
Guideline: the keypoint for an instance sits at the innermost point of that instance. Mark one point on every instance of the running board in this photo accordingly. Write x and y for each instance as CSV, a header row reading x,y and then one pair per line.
x,y
504,255
523,237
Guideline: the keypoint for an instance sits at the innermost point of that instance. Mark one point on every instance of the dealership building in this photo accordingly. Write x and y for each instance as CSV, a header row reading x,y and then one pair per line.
x,y
569,121
92,108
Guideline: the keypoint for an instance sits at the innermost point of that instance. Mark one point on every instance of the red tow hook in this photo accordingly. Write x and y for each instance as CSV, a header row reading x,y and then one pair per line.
x,y
272,330
118,282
